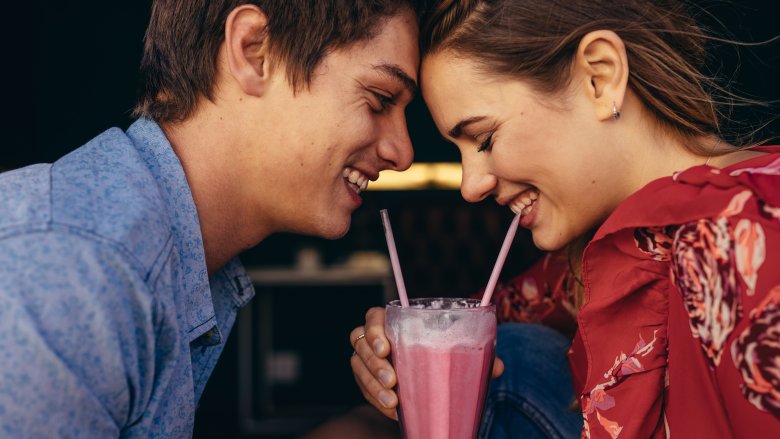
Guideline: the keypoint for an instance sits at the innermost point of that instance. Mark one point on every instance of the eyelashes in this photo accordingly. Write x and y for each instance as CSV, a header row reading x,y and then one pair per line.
x,y
487,143
385,102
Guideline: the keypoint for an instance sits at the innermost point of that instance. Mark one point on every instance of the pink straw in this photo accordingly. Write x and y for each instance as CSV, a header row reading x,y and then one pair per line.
x,y
399,279
510,236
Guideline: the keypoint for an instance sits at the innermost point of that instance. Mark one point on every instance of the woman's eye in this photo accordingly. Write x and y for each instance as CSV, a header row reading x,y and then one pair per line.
x,y
486,144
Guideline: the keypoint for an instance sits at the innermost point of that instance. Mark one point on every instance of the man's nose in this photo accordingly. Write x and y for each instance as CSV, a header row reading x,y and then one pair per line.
x,y
395,146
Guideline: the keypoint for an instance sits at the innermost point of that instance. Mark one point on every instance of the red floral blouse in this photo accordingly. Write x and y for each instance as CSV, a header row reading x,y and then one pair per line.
x,y
538,295
680,330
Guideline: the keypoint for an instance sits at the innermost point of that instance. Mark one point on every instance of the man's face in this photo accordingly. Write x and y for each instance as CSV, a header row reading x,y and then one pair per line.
x,y
324,144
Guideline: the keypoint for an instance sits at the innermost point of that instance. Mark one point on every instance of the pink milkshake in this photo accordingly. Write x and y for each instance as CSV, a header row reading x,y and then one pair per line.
x,y
442,351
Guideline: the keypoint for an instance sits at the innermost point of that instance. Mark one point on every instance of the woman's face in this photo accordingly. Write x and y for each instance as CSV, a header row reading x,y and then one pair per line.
x,y
548,159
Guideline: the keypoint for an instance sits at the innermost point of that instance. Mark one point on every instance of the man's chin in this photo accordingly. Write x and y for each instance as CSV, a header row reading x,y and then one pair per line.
x,y
334,230
337,235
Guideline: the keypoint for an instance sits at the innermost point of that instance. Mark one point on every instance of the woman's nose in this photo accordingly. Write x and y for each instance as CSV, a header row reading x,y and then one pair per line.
x,y
477,183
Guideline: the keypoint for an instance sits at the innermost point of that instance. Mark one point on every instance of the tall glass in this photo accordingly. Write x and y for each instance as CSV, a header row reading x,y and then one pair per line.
x,y
442,351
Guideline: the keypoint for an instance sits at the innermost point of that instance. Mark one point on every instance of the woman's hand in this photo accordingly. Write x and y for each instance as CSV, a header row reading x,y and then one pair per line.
x,y
373,372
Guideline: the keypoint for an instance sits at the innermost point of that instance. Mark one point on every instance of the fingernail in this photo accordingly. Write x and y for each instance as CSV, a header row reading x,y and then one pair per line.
x,y
385,376
386,399
379,346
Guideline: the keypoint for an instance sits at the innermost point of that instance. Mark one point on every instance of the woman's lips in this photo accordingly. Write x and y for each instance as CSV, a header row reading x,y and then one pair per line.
x,y
524,203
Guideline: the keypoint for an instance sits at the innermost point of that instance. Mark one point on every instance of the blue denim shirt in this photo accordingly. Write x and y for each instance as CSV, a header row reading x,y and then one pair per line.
x,y
109,323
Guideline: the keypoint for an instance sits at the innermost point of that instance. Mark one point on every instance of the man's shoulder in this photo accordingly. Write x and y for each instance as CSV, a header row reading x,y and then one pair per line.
x,y
25,197
103,189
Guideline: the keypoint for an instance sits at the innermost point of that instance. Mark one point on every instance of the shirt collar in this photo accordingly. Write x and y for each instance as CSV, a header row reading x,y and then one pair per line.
x,y
697,192
156,151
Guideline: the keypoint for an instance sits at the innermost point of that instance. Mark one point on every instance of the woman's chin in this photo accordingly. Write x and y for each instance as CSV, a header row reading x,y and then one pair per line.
x,y
548,241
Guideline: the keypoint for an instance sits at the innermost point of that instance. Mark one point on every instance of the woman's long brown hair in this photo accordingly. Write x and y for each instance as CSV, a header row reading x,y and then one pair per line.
x,y
536,42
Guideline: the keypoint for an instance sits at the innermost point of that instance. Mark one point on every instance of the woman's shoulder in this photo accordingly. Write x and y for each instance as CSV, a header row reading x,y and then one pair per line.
x,y
701,192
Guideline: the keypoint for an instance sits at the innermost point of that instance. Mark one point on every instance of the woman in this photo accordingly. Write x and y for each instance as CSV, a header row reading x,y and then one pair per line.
x,y
593,121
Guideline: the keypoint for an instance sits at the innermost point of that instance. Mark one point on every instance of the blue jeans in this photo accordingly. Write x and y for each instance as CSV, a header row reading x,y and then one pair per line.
x,y
532,399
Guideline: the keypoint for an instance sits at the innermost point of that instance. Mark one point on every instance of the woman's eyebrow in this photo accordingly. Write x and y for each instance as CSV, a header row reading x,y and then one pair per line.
x,y
457,130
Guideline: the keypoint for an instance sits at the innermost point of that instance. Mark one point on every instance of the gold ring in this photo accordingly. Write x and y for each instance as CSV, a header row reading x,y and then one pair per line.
x,y
357,339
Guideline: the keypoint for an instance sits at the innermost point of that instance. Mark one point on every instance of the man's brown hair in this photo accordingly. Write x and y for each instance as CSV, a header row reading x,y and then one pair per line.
x,y
182,42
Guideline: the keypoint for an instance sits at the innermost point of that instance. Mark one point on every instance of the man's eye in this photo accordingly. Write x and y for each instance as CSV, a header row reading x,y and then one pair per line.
x,y
384,101
486,144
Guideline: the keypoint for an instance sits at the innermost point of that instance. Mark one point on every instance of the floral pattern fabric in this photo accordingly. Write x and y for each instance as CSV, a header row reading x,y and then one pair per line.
x,y
680,330
538,295
705,273
599,401
700,270
756,352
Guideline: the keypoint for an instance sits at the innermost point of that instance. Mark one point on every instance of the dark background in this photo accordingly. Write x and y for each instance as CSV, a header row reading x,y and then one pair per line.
x,y
70,72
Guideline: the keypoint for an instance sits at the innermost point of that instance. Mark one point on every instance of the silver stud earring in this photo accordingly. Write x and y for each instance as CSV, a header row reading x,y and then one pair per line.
x,y
615,112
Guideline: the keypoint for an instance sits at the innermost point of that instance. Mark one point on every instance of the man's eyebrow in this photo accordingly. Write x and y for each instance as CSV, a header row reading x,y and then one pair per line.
x,y
397,72
457,130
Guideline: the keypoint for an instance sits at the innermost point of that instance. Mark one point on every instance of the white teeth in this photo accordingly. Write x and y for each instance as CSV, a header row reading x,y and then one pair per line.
x,y
357,180
525,204
354,176
362,182
355,188
517,207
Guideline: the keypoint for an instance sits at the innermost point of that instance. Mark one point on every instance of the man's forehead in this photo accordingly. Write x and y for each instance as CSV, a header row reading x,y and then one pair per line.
x,y
392,54
395,46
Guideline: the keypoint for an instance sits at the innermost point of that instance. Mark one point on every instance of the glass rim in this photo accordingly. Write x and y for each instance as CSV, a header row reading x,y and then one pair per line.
x,y
396,304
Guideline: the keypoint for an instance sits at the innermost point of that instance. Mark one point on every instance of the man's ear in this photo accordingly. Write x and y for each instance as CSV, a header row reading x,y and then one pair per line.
x,y
247,49
601,57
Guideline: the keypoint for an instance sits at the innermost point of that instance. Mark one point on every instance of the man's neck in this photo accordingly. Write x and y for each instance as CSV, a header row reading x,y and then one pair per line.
x,y
202,143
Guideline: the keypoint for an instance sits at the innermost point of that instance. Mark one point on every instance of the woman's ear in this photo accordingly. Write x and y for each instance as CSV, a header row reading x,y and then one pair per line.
x,y
247,48
602,60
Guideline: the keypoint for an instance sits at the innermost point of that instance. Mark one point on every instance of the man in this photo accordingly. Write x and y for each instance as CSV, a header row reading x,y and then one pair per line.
x,y
119,281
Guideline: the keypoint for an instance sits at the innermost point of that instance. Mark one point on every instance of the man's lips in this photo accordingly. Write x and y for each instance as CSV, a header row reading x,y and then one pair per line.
x,y
358,179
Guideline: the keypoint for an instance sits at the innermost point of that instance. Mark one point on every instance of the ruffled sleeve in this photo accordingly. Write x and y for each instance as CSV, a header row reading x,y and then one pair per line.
x,y
680,331
538,295
623,337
